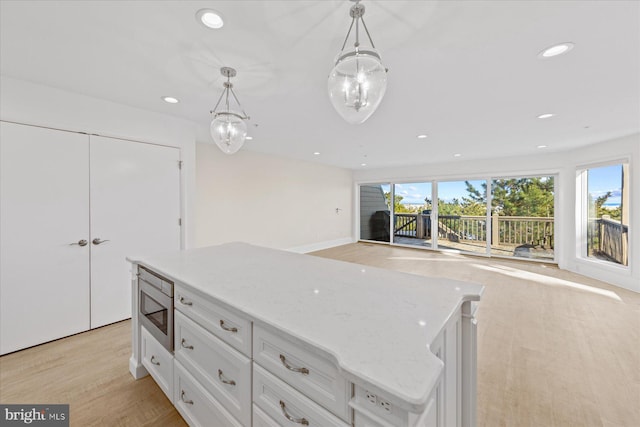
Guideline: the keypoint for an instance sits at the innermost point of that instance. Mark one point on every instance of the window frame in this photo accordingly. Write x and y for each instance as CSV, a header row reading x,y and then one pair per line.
x,y
582,210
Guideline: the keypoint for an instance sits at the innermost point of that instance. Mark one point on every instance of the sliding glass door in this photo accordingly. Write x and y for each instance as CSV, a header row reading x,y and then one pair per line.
x,y
522,222
453,215
375,212
462,216
412,214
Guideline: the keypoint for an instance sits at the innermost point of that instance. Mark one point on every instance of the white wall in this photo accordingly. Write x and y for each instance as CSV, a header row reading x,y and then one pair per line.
x,y
564,164
34,104
271,201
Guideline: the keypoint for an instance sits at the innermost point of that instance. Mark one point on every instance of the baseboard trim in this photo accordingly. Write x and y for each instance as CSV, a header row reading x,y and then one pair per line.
x,y
321,245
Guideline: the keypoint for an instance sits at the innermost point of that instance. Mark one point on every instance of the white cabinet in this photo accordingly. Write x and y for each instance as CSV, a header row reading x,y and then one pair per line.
x,y
260,419
248,315
286,405
223,372
59,192
158,361
306,370
195,404
230,327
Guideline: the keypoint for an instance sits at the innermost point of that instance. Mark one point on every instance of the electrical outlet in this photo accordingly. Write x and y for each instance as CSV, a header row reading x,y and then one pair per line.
x,y
384,405
372,398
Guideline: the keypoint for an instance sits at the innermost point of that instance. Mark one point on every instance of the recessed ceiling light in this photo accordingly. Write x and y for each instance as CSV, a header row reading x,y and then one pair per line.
x,y
556,50
457,155
542,146
423,136
249,138
170,99
317,153
210,18
363,164
545,116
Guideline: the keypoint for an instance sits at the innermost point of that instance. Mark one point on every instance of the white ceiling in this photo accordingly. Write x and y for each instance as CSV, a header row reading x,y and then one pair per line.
x,y
464,72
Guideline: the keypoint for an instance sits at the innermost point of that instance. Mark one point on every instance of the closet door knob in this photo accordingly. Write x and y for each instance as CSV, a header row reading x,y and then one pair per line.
x,y
97,241
80,243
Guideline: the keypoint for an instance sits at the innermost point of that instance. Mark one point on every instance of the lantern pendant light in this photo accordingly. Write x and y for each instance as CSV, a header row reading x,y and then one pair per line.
x,y
358,80
228,128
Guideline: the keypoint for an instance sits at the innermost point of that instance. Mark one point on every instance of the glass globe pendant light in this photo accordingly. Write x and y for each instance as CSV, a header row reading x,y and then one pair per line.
x,y
228,128
358,80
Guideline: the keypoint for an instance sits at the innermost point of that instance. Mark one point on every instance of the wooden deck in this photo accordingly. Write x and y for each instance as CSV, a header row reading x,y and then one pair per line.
x,y
479,247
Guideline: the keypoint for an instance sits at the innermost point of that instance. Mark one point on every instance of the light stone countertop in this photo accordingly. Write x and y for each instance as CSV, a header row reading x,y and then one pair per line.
x,y
376,324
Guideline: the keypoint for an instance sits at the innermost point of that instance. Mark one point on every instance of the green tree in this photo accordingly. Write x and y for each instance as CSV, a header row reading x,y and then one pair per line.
x,y
397,203
597,209
515,197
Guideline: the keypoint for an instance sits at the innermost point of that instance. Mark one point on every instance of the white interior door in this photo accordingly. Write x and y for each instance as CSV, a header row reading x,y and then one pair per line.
x,y
135,208
44,213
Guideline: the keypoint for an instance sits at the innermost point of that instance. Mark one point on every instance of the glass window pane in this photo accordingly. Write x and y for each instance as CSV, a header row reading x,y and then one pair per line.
x,y
412,214
462,216
608,213
375,212
522,223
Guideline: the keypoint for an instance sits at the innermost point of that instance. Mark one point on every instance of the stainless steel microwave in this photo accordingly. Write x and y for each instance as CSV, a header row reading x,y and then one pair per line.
x,y
155,309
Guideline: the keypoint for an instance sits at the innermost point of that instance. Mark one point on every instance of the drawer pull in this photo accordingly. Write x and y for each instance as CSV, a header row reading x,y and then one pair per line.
x,y
188,347
220,376
283,359
226,328
153,361
188,402
185,302
302,421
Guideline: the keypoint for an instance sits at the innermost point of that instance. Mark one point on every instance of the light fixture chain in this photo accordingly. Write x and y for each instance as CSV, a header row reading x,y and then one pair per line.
x,y
218,103
238,102
346,39
367,30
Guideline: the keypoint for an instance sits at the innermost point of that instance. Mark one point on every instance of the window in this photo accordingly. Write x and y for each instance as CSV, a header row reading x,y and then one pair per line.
x,y
412,214
462,216
375,212
522,222
507,217
606,213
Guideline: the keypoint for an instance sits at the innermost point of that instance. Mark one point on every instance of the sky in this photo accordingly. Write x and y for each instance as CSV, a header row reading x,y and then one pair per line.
x,y
606,178
600,180
415,193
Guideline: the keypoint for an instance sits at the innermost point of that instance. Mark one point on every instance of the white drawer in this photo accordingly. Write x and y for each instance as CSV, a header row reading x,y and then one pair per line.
x,y
286,405
229,326
320,380
196,406
158,361
223,371
260,419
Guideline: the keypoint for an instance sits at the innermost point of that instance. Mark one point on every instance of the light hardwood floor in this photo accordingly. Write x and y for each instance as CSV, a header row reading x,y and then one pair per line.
x,y
554,349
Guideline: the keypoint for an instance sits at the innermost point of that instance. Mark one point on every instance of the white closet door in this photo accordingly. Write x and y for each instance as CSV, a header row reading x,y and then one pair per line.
x,y
44,213
135,208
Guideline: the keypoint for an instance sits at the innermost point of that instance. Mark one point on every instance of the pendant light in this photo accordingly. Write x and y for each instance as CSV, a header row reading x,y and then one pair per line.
x,y
358,80
228,128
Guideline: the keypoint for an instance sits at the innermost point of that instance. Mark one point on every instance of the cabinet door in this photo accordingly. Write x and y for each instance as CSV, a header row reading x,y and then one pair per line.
x,y
135,208
44,213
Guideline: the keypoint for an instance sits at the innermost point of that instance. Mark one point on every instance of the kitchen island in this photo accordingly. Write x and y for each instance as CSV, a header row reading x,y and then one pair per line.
x,y
268,337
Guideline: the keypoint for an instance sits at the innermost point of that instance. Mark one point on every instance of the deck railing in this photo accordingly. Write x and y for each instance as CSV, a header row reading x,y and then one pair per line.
x,y
505,230
518,230
609,239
